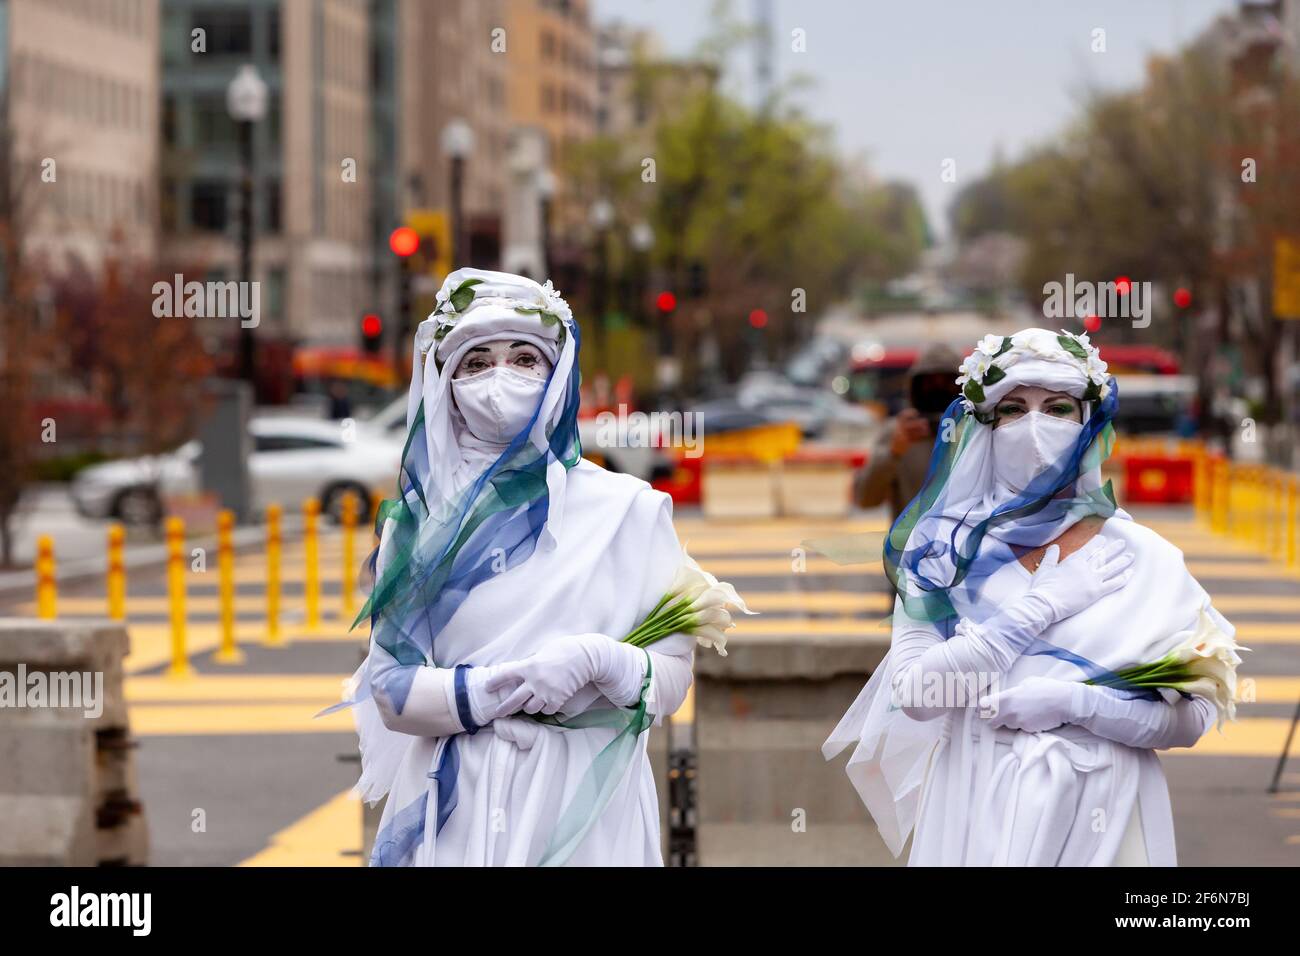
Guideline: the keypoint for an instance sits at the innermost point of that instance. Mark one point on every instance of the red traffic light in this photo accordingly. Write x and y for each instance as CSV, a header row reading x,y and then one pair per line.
x,y
665,301
758,318
404,241
371,325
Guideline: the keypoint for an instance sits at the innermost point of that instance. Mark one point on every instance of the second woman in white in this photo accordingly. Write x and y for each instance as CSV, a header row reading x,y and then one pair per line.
x,y
1018,581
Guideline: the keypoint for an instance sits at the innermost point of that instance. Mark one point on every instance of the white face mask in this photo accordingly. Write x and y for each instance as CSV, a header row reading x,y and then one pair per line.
x,y
1025,447
497,402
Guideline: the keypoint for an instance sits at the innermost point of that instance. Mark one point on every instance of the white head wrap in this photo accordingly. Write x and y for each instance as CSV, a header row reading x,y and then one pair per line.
x,y
502,306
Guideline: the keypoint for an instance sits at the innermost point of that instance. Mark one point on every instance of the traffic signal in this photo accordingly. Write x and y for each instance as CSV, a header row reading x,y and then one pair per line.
x,y
666,303
372,330
697,279
404,241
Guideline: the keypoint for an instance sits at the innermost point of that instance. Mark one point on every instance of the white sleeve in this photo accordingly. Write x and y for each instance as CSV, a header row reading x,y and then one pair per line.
x,y
1139,722
672,658
672,661
971,658
429,709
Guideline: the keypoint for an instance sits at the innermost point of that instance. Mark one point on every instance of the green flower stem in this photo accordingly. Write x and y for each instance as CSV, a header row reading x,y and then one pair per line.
x,y
655,623
649,636
1164,674
675,620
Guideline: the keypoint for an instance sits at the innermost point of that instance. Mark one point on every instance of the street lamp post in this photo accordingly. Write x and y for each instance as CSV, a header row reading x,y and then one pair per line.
x,y
546,193
457,145
602,217
642,240
246,102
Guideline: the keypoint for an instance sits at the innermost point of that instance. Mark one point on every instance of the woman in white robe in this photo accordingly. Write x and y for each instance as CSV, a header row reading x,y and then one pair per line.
x,y
507,573
1018,581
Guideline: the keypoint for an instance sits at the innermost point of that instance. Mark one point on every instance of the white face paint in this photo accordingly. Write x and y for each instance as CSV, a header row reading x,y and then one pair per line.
x,y
1027,445
523,357
498,402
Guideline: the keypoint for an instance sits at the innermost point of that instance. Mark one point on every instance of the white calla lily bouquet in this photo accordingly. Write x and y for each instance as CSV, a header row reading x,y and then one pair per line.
x,y
695,603
1204,665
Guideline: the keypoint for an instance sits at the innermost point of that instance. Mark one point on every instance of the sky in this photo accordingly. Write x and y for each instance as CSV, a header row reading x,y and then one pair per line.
x,y
908,84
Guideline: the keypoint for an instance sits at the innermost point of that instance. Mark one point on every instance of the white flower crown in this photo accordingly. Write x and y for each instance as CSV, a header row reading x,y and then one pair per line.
x,y
994,354
452,304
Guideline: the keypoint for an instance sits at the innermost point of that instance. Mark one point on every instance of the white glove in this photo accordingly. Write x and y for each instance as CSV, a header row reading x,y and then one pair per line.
x,y
1035,704
520,731
1042,703
1084,578
1060,589
1138,721
486,705
564,665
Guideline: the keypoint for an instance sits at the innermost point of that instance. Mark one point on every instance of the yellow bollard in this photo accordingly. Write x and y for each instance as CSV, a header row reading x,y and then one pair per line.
x,y
180,666
1277,516
1219,496
1246,482
1235,516
116,573
311,555
1290,522
273,575
1204,486
46,589
1198,486
349,522
1263,487
1240,502
228,652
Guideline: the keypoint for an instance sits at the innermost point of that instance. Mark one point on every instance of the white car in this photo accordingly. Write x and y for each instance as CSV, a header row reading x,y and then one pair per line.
x,y
292,459
646,462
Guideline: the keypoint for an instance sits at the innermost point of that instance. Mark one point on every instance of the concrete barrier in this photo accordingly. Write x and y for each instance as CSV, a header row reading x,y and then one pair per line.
x,y
815,488
766,795
738,489
68,791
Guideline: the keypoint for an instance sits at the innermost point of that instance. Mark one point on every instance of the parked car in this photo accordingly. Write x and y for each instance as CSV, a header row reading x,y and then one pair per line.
x,y
292,459
815,409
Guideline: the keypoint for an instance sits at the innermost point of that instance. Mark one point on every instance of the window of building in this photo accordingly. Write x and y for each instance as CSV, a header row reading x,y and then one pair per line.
x,y
208,205
271,201
229,30
273,34
275,293
213,125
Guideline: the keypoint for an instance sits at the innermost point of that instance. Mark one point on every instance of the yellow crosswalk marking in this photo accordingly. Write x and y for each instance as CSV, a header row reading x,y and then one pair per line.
x,y
318,689
1245,737
1258,603
328,836
151,643
842,601
186,720
1274,690
1240,571
1251,632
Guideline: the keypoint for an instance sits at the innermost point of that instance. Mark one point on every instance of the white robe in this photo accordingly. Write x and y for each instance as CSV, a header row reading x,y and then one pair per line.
x,y
614,558
980,795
